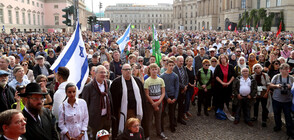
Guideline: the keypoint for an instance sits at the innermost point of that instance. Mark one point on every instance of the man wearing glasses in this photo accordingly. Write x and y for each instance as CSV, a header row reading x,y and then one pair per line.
x,y
40,121
128,100
12,125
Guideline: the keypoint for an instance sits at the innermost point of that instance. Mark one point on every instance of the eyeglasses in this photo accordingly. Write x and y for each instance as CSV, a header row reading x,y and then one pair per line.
x,y
164,60
38,99
257,68
277,64
19,122
213,61
24,64
126,69
238,51
135,126
207,65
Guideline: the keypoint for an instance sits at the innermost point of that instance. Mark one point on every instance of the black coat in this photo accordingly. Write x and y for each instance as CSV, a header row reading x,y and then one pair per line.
x,y
37,70
2,138
9,93
92,97
46,132
116,92
218,73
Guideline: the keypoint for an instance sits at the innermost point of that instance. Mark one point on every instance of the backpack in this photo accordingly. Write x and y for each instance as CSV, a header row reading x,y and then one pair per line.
x,y
220,114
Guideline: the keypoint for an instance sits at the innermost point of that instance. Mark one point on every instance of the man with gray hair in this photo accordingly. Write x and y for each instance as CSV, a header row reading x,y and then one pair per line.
x,y
244,88
99,101
183,84
4,63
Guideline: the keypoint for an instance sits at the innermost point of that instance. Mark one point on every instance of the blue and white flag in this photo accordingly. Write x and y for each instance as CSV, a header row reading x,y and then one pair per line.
x,y
124,39
74,57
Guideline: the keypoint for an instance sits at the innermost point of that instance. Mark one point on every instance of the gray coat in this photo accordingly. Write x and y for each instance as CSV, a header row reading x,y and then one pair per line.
x,y
92,97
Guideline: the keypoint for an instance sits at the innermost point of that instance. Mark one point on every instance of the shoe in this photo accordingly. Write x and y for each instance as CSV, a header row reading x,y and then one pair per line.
x,y
182,122
185,118
277,129
173,130
206,113
209,108
198,114
254,119
162,136
249,124
231,118
263,124
236,122
189,114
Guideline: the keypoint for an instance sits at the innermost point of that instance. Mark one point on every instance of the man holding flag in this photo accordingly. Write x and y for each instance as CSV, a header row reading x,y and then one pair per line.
x,y
156,47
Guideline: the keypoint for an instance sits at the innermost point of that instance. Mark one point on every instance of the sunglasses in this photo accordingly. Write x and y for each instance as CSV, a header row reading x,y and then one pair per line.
x,y
140,61
277,64
207,65
164,60
24,64
238,51
213,61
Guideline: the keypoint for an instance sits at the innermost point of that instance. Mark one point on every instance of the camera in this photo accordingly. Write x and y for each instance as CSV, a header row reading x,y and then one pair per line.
x,y
284,89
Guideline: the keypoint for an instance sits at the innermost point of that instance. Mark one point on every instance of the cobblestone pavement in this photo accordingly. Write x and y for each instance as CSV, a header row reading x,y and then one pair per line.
x,y
208,128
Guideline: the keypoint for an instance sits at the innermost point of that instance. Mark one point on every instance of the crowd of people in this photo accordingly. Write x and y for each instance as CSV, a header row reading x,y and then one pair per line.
x,y
127,91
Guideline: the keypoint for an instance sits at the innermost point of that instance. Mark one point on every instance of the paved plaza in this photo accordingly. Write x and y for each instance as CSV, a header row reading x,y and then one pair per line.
x,y
209,128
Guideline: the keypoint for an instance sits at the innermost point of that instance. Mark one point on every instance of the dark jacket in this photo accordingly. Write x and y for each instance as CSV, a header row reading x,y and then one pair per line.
x,y
36,132
182,84
37,70
198,62
22,138
112,67
9,93
218,73
116,90
127,135
236,87
92,97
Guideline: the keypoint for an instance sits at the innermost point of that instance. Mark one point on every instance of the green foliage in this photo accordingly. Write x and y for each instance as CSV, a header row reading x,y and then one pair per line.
x,y
268,22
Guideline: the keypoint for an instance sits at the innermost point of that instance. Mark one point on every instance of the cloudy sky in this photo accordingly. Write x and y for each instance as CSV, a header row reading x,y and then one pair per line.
x,y
105,3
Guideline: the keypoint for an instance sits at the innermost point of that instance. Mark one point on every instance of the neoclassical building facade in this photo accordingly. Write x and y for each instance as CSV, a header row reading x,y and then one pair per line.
x,y
141,16
217,14
37,15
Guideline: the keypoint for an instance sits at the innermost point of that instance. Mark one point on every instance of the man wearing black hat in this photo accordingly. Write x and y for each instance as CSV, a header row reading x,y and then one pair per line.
x,y
40,121
6,92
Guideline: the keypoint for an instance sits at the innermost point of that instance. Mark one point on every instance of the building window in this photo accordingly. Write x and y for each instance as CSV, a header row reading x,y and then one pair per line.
x,y
279,2
258,4
10,16
243,4
17,17
56,19
22,1
37,4
29,18
28,1
42,18
55,6
38,19
41,5
268,3
33,3
23,18
1,16
34,19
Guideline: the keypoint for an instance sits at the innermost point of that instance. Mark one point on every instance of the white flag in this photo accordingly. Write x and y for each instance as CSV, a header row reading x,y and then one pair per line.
x,y
124,39
74,57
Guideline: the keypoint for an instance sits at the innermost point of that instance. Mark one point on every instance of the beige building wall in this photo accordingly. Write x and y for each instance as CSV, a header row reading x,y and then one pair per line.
x,y
215,14
142,16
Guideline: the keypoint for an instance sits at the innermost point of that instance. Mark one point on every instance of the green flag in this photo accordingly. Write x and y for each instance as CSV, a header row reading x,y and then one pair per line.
x,y
117,27
156,46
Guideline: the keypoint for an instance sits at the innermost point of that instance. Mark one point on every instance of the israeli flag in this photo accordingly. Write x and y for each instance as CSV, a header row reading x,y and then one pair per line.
x,y
74,57
124,39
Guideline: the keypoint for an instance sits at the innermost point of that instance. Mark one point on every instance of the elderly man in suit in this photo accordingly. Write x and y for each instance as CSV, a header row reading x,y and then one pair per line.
x,y
183,83
42,68
40,121
99,101
12,125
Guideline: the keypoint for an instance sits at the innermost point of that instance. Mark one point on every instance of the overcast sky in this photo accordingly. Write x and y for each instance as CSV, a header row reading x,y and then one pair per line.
x,y
113,2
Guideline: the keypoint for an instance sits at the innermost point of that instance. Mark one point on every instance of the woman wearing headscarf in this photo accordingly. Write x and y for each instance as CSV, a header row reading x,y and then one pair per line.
x,y
251,61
